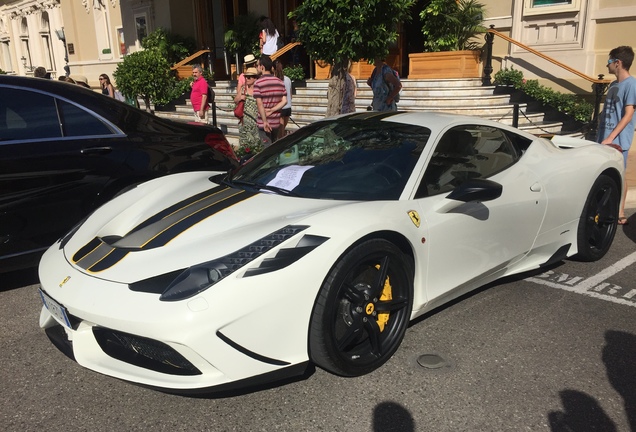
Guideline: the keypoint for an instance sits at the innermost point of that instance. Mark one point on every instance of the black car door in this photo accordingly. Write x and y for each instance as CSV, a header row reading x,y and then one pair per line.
x,y
55,158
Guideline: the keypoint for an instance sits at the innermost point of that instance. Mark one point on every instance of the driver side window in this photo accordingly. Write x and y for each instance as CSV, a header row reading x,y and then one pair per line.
x,y
463,153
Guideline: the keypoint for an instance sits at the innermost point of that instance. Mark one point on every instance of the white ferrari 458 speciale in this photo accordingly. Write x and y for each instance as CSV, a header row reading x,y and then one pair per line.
x,y
320,249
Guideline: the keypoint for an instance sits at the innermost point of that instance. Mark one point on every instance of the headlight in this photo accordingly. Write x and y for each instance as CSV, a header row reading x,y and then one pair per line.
x,y
186,283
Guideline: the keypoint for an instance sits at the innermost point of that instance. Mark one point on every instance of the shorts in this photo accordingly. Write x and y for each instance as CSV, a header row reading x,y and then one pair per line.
x,y
200,119
285,112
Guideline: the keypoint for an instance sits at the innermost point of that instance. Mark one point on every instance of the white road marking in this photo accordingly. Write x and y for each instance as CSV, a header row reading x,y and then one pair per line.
x,y
595,286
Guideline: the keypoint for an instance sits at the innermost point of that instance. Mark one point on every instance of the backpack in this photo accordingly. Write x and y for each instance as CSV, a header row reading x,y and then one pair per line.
x,y
280,43
397,75
119,96
210,94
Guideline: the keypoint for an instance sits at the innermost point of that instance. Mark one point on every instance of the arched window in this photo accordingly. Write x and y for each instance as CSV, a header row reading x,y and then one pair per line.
x,y
5,53
24,43
45,36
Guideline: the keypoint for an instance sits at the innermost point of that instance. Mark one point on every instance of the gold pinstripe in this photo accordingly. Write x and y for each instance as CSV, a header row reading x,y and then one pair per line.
x,y
190,214
94,250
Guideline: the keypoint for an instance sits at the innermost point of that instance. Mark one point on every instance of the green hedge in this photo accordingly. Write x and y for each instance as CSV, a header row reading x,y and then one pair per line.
x,y
568,104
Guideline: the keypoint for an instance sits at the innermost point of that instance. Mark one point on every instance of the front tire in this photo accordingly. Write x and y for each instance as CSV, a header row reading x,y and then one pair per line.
x,y
363,309
597,225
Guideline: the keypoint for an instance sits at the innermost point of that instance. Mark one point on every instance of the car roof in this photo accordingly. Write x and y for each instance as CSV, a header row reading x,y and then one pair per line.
x,y
435,121
111,109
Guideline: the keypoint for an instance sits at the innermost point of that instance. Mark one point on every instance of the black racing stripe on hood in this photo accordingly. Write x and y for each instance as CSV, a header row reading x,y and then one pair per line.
x,y
102,255
183,225
181,204
90,246
109,260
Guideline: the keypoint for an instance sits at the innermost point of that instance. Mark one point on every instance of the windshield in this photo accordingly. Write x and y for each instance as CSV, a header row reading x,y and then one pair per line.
x,y
347,159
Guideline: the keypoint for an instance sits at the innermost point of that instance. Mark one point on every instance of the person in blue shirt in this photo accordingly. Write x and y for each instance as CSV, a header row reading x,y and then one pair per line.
x,y
617,121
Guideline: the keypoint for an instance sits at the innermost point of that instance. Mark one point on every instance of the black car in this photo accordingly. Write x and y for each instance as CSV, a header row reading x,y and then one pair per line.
x,y
65,150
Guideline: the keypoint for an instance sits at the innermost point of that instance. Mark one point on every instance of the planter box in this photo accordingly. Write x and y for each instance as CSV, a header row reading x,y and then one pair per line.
x,y
359,70
445,64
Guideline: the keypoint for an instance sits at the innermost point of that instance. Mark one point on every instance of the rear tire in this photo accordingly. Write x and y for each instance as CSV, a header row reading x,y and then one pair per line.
x,y
597,225
363,309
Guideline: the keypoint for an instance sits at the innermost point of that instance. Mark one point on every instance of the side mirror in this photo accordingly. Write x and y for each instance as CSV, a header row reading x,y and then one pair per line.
x,y
469,191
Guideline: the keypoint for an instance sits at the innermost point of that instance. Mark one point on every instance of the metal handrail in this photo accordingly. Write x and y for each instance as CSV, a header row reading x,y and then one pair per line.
x,y
550,59
599,85
284,50
192,57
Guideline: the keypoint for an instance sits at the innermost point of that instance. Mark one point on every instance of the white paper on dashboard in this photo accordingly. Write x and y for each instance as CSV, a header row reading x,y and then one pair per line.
x,y
289,177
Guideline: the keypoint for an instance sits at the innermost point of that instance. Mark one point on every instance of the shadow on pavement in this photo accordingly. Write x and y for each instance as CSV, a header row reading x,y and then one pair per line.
x,y
630,229
581,412
391,416
619,355
19,278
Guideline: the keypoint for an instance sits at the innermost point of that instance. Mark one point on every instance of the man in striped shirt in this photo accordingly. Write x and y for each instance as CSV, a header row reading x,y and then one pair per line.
x,y
271,96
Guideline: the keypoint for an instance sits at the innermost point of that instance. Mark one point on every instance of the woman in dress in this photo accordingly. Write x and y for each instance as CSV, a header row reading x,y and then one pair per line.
x,y
385,86
249,138
107,87
350,93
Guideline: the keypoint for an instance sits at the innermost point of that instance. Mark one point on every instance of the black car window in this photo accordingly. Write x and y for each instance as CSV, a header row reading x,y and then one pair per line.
x,y
27,115
78,122
345,159
464,153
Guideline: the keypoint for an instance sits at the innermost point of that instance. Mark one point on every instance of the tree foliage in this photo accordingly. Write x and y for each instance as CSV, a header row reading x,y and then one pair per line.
x,y
449,25
147,74
339,31
172,46
241,37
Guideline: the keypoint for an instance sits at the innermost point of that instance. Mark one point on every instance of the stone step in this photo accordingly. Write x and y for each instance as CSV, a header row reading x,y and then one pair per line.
x,y
227,119
419,83
454,96
407,102
316,111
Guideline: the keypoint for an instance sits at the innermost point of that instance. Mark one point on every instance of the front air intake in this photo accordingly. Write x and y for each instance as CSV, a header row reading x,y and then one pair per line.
x,y
143,352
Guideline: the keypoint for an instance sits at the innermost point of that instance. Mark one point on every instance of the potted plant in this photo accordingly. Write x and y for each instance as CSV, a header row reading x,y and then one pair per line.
x,y
241,37
448,27
296,74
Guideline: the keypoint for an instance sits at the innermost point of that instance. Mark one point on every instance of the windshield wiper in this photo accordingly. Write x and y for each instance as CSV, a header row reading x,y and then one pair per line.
x,y
261,186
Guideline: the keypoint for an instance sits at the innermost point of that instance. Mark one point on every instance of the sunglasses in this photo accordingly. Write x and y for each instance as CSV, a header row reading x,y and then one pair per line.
x,y
610,61
250,76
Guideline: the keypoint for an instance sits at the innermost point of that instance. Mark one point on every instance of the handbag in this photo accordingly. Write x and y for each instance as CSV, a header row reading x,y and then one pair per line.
x,y
239,110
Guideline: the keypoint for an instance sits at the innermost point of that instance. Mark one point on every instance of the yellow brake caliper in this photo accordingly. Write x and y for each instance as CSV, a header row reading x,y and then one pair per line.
x,y
387,294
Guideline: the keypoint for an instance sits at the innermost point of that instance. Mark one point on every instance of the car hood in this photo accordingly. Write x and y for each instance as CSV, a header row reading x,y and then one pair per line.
x,y
157,228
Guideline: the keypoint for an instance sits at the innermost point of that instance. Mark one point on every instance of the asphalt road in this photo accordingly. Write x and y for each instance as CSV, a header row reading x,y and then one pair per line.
x,y
542,352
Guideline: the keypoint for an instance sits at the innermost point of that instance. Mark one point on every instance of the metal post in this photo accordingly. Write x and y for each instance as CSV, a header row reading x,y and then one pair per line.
x,y
515,115
599,90
486,79
210,62
227,62
62,37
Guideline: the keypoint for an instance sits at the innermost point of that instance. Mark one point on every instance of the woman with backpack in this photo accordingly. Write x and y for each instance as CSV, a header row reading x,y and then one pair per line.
x,y
385,85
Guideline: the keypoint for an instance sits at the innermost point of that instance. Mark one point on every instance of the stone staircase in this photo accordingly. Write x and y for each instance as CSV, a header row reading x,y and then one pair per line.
x,y
458,96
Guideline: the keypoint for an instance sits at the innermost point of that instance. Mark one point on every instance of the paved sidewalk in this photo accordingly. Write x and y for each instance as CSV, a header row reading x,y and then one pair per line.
x,y
630,174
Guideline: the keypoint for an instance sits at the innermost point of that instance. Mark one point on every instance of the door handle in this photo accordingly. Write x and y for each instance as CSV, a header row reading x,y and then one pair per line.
x,y
96,150
536,187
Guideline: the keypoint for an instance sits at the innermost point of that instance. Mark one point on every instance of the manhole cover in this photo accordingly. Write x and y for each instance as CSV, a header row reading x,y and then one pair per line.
x,y
431,361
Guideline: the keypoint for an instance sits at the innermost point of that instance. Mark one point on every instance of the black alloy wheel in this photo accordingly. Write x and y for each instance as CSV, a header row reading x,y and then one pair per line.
x,y
597,225
363,309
